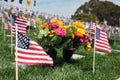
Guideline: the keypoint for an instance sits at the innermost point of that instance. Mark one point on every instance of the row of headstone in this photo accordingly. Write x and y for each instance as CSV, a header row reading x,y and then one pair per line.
x,y
110,30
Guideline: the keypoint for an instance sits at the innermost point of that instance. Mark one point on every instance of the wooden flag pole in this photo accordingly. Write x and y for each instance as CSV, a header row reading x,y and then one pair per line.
x,y
4,32
1,21
2,24
94,51
115,35
11,36
16,52
28,4
2,15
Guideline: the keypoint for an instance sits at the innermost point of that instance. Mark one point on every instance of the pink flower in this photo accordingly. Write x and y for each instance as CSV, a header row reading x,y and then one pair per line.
x,y
85,38
60,32
52,24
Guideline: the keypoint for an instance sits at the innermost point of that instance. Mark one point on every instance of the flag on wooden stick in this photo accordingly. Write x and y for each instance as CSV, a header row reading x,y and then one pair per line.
x,y
34,2
31,53
21,23
92,28
20,1
102,43
28,2
5,26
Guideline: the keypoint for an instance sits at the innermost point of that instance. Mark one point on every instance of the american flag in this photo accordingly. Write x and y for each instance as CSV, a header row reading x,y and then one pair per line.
x,y
31,53
102,43
92,28
5,26
5,19
21,24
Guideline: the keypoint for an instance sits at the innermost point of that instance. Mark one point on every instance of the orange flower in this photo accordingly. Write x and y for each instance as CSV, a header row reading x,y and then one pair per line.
x,y
43,26
78,34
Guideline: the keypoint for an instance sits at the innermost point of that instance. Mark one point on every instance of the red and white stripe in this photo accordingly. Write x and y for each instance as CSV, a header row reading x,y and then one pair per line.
x,y
34,55
103,44
21,24
92,28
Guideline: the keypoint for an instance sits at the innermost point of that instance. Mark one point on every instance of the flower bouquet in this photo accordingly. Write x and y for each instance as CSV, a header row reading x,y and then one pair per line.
x,y
55,36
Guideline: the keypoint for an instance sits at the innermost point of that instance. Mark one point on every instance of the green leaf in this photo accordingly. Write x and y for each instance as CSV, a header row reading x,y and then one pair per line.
x,y
46,30
43,32
64,43
58,50
56,40
69,32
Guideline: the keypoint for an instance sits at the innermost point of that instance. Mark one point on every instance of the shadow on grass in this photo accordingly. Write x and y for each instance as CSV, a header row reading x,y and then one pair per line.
x,y
59,62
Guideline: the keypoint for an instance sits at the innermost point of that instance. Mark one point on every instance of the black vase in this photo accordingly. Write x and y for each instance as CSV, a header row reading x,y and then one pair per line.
x,y
67,54
52,53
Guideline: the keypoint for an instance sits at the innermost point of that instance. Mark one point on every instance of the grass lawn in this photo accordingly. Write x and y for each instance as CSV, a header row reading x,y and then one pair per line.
x,y
107,66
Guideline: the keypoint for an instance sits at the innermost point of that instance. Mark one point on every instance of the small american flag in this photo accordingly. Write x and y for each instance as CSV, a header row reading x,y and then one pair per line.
x,y
92,28
21,24
102,43
31,53
34,2
5,26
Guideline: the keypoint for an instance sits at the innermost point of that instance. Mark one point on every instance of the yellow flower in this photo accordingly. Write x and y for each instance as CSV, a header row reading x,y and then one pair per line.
x,y
88,43
78,24
60,23
65,27
88,46
82,31
51,35
52,31
87,49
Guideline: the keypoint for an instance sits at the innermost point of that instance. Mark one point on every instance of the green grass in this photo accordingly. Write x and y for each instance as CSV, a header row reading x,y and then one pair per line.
x,y
107,67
